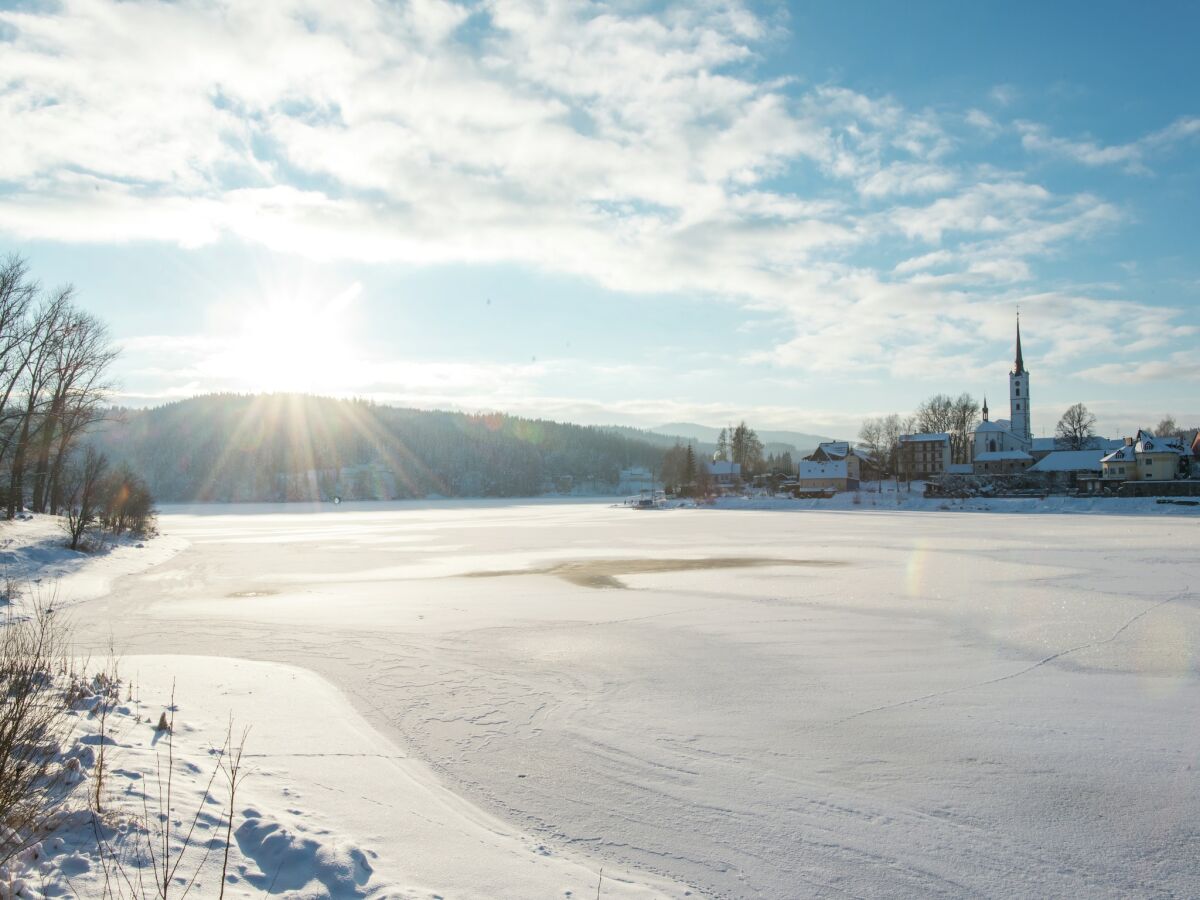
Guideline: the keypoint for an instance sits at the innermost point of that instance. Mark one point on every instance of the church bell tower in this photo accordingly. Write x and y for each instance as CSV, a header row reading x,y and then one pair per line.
x,y
1018,394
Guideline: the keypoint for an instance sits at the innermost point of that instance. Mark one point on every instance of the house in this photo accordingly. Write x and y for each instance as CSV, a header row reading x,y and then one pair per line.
x,y
923,455
1085,462
636,479
1071,468
724,473
1145,457
831,474
859,463
1001,462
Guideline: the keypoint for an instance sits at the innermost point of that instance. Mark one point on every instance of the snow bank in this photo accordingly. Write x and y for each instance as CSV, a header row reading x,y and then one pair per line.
x,y
328,808
33,549
866,501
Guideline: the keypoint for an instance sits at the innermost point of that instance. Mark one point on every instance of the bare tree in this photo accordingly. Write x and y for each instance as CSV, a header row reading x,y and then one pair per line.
x,y
936,414
1075,429
83,498
871,437
75,393
882,434
1168,427
38,350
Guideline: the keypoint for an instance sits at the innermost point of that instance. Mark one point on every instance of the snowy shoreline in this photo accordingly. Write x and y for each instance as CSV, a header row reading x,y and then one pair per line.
x,y
329,808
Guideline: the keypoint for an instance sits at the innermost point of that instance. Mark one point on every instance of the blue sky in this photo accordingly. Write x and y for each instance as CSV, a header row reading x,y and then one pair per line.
x,y
635,213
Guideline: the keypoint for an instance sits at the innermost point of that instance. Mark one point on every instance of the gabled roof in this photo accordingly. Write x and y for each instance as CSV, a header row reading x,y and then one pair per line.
x,y
724,467
932,436
1146,442
1124,453
1069,461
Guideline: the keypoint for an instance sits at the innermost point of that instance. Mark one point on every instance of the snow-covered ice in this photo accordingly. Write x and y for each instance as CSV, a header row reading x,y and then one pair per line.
x,y
885,702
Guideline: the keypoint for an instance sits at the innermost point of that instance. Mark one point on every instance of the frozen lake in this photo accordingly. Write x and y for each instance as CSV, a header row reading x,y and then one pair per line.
x,y
758,704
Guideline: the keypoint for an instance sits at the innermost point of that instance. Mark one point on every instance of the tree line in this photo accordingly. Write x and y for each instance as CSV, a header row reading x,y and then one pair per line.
x,y
286,447
55,360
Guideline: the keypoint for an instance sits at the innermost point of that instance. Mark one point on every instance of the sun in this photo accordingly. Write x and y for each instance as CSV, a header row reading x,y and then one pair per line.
x,y
295,342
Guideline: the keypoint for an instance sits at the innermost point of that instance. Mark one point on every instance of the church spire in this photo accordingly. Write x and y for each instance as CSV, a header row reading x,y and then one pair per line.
x,y
1019,366
985,409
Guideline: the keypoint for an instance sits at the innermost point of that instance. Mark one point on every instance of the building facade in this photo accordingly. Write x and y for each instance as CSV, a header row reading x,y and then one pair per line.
x,y
923,455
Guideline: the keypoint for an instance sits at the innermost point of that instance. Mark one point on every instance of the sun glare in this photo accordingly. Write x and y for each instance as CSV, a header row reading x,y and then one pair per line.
x,y
296,342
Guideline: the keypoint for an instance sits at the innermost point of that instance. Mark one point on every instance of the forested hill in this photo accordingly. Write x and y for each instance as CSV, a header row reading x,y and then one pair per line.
x,y
228,447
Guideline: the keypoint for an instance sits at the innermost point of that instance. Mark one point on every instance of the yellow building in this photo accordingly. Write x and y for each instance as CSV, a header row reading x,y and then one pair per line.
x,y
1145,458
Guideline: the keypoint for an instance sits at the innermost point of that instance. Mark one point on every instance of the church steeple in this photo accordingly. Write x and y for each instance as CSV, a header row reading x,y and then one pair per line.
x,y
1019,365
1018,396
985,409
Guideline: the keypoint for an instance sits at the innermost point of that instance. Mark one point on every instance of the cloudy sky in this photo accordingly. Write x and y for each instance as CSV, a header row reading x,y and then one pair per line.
x,y
619,212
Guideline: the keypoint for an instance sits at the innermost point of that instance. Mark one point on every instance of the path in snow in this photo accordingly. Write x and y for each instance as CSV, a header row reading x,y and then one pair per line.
x,y
954,703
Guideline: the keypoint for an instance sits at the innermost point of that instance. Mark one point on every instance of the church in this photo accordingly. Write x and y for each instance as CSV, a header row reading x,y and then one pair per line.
x,y
1005,445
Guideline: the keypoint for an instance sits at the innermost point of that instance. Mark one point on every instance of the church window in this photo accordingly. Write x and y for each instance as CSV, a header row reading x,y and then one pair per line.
x,y
1018,390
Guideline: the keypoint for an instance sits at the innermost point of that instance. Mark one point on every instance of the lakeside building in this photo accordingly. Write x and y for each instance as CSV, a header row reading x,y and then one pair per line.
x,y
859,464
834,474
724,473
923,455
1146,457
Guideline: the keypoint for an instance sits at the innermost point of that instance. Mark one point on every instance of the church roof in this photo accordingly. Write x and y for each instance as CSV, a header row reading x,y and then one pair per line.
x,y
989,426
1001,455
1019,365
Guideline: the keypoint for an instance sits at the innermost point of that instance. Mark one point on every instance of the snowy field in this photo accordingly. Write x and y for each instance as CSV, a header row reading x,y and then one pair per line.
x,y
744,703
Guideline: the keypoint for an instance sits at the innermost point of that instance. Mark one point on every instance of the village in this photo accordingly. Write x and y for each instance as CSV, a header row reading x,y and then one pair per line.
x,y
992,457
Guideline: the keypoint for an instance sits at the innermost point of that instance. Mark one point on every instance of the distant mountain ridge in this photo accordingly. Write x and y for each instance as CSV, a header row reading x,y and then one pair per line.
x,y
798,441
280,447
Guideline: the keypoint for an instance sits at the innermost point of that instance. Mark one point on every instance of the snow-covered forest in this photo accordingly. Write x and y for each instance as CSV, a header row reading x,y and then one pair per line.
x,y
296,447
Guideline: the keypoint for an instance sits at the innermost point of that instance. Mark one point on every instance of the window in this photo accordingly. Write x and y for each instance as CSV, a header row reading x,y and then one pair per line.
x,y
1018,390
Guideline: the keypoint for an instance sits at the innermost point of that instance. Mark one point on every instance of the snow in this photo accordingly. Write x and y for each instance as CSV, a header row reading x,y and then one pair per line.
x,y
1069,461
33,548
873,695
832,469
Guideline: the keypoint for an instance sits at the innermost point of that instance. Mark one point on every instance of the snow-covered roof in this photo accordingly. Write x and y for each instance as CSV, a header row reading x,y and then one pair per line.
x,y
932,436
1002,455
1045,443
724,467
989,426
1124,453
1069,461
834,469
1148,443
834,448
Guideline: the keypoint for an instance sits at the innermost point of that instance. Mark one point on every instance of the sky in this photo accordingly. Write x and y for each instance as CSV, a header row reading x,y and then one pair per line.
x,y
630,213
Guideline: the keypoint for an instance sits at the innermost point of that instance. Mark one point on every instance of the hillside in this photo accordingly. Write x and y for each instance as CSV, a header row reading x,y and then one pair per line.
x,y
229,447
773,441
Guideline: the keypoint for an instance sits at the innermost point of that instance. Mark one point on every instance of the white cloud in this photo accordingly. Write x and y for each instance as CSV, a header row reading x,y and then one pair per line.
x,y
631,146
1131,156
